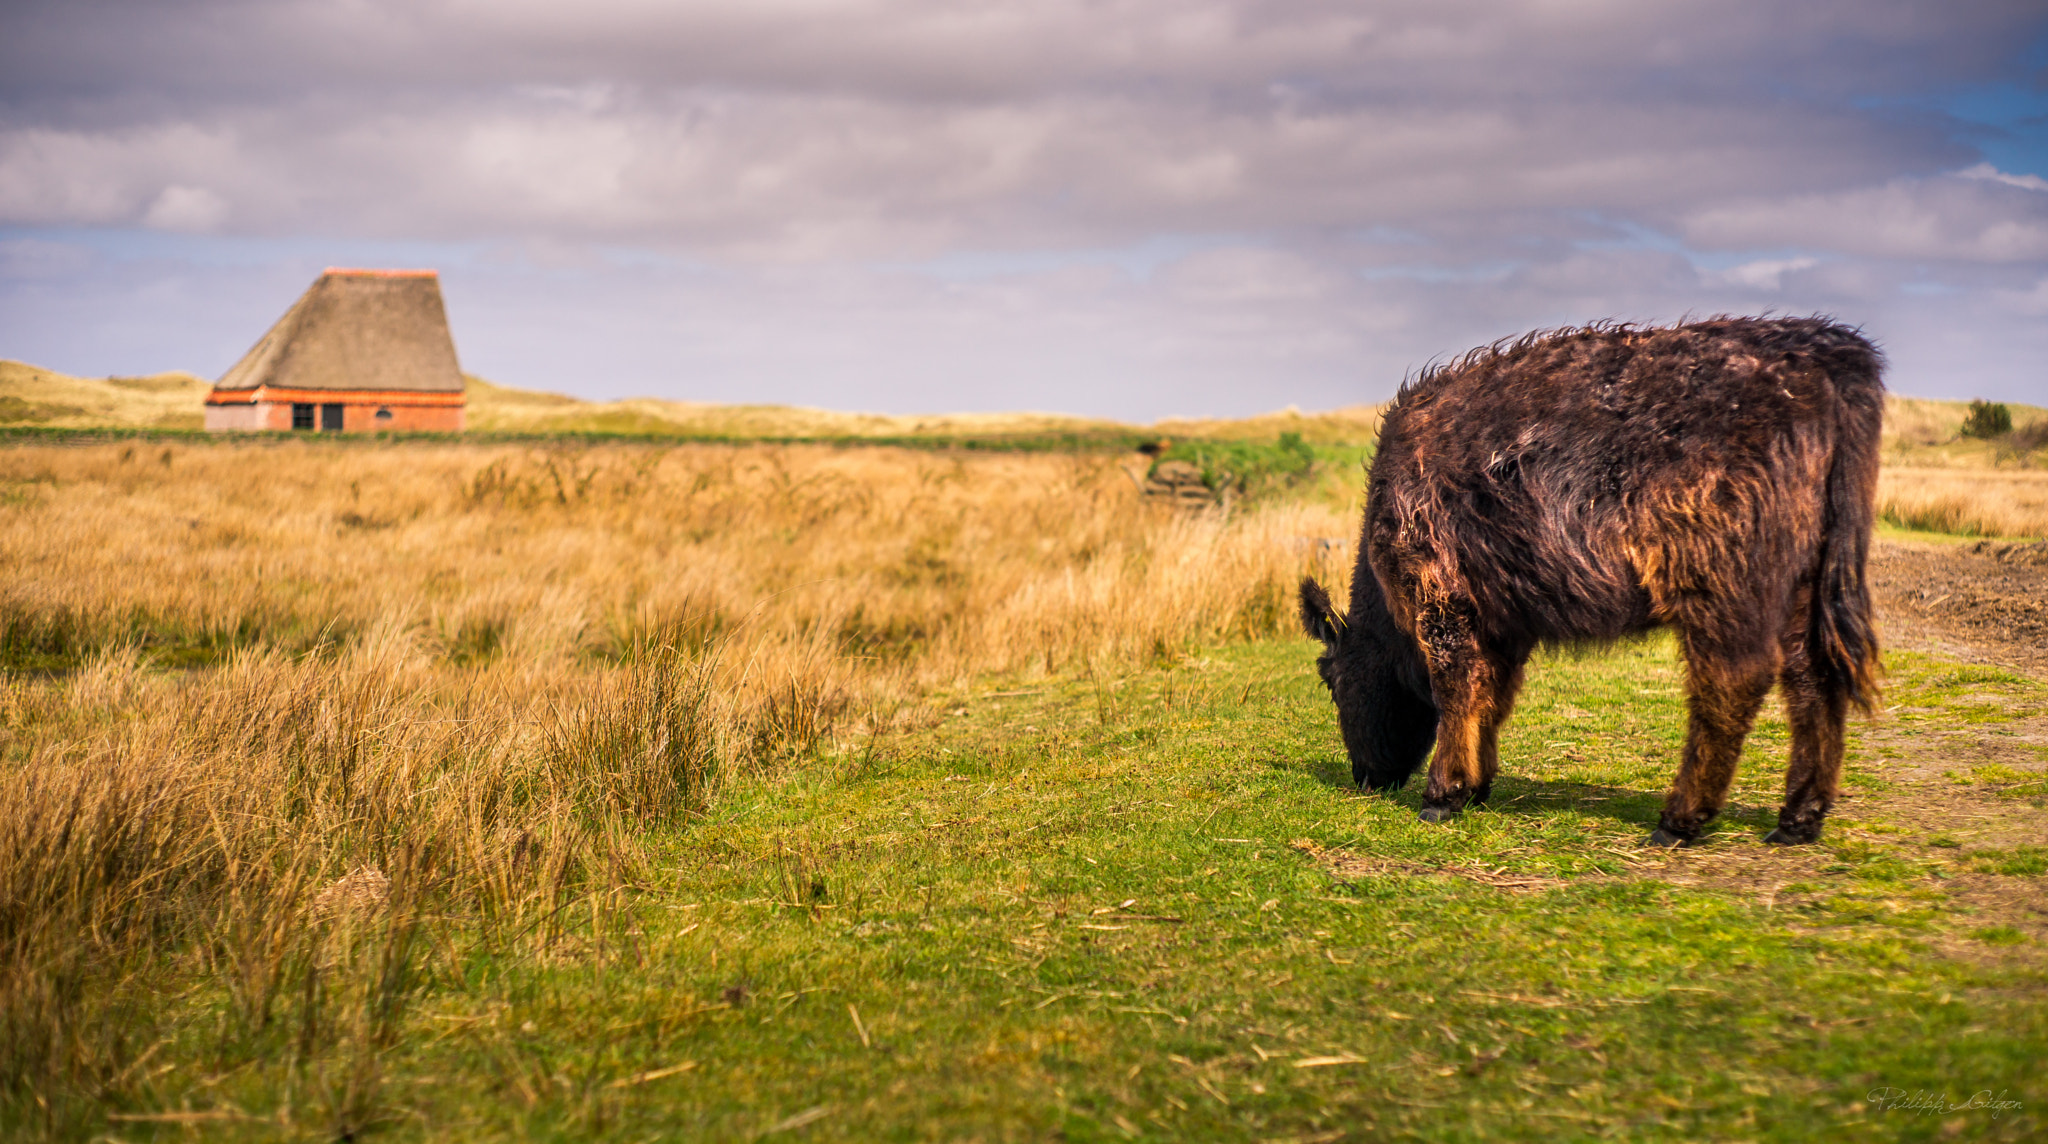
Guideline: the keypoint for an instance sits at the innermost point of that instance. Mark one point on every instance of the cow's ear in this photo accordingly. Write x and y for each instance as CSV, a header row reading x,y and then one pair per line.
x,y
1319,617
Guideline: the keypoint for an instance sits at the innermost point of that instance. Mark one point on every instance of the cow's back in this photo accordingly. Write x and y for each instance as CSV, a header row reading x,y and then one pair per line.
x,y
1584,484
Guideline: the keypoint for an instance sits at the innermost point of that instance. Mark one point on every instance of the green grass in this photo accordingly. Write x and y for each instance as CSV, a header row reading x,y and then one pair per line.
x,y
2022,860
1287,466
1886,529
1088,910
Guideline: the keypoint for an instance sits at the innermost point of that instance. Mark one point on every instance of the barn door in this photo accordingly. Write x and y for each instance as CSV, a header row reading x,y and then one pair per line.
x,y
330,418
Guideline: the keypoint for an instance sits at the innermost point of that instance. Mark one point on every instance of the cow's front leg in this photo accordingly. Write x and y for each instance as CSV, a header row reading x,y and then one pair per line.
x,y
1470,687
1507,682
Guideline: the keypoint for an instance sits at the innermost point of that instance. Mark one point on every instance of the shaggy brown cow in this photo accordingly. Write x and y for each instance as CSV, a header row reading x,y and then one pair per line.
x,y
1591,484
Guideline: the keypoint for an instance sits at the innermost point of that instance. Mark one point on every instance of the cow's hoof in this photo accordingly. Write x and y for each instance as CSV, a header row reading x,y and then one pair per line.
x,y
1665,840
1784,837
1437,814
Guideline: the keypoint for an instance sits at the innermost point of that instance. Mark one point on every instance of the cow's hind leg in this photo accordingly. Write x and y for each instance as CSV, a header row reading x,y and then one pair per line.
x,y
1724,692
1817,709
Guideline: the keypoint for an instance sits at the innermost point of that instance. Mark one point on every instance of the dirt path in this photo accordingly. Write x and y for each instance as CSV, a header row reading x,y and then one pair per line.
x,y
1980,603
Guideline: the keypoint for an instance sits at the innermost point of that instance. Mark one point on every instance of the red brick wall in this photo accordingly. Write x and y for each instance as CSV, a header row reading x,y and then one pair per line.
x,y
250,417
356,417
403,419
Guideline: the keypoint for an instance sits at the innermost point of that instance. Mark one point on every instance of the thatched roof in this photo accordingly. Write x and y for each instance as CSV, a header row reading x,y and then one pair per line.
x,y
357,330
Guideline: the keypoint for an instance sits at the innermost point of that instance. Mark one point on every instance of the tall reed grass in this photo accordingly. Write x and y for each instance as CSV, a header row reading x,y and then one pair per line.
x,y
932,567
287,725
1966,502
281,826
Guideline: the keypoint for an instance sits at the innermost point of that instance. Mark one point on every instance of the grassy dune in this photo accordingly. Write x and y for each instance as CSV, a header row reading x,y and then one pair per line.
x,y
1922,428
500,409
33,396
479,791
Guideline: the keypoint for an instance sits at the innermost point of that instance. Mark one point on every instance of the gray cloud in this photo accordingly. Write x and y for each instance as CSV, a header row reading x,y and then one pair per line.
x,y
944,51
845,175
837,128
2000,218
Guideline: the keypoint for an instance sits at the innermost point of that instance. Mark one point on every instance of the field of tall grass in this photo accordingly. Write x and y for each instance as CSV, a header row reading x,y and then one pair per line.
x,y
1965,501
281,721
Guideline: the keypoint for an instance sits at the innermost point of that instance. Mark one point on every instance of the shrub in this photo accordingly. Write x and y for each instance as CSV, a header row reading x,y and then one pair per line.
x,y
1987,419
1246,467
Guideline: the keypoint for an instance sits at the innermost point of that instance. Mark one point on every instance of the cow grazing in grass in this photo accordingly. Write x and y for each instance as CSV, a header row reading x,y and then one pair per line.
x,y
1590,484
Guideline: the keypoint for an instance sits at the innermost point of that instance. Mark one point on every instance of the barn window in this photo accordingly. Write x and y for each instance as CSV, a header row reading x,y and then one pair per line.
x,y
330,418
383,415
302,415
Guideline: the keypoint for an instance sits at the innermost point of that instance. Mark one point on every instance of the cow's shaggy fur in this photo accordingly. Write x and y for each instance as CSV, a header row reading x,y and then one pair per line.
x,y
1589,484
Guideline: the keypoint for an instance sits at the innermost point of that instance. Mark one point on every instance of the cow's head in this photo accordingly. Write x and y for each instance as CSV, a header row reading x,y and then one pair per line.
x,y
1378,681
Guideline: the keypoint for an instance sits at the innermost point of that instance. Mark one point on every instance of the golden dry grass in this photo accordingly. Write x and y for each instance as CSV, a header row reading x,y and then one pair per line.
x,y
460,680
1965,501
973,562
290,819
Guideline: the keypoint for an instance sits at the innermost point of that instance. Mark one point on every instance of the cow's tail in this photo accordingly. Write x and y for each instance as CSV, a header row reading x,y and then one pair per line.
x,y
1842,642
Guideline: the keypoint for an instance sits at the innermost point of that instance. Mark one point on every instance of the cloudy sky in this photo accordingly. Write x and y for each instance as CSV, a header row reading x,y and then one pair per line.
x,y
1131,208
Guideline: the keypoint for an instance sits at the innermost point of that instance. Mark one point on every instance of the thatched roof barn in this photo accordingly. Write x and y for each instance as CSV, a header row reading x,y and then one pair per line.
x,y
360,351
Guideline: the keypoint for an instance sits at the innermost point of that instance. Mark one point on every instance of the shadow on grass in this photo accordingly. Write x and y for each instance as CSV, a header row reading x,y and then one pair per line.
x,y
1534,797
1512,795
1642,808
